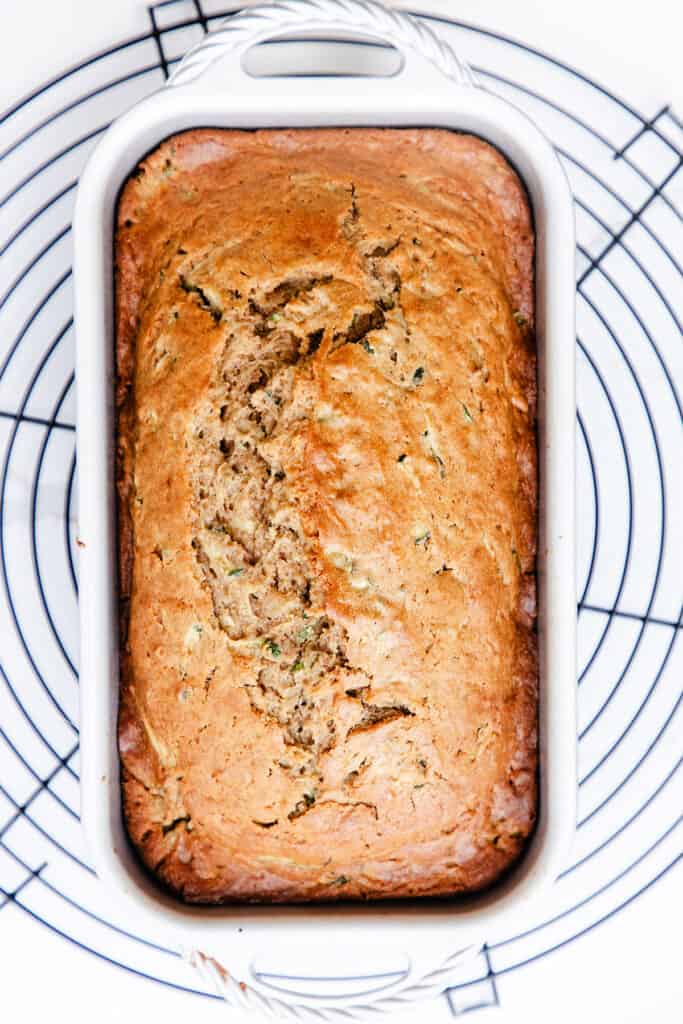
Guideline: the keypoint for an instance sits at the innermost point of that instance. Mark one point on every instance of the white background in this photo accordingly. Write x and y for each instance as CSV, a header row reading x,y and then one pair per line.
x,y
630,46
627,970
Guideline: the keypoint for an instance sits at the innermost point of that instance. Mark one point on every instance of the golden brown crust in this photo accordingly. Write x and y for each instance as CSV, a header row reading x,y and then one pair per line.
x,y
327,513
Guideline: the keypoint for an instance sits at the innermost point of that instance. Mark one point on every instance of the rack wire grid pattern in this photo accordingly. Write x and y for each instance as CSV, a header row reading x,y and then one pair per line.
x,y
625,171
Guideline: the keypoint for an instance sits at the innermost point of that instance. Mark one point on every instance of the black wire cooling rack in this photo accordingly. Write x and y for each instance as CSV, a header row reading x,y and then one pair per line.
x,y
625,171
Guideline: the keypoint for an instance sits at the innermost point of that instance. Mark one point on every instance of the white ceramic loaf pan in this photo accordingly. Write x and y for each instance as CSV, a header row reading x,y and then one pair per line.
x,y
431,88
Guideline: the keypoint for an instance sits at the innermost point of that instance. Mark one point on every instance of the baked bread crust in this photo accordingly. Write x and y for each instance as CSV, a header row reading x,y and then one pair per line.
x,y
326,469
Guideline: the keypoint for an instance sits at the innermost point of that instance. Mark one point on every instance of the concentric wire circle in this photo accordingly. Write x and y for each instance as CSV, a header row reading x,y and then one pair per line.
x,y
625,171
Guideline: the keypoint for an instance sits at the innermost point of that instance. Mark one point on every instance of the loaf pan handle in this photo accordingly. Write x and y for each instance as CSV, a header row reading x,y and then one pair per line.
x,y
416,985
238,33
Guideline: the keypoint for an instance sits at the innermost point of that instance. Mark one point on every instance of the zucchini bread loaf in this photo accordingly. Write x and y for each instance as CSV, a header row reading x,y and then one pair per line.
x,y
326,469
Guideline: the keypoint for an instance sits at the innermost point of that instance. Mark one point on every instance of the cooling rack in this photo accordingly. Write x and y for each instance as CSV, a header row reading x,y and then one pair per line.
x,y
625,170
